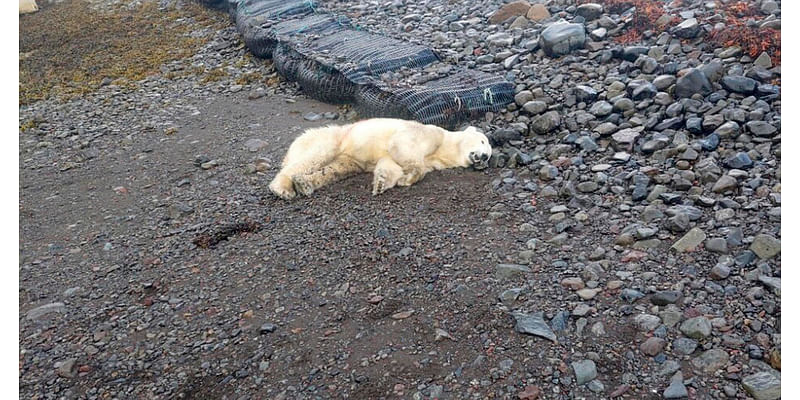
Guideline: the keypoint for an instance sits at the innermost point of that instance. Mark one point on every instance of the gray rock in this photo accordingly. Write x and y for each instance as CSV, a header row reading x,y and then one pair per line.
x,y
545,123
509,296
717,245
646,322
601,109
694,81
697,327
725,183
585,371
68,368
739,84
739,160
687,29
507,271
561,38
728,129
500,39
312,116
523,97
535,107
584,93
684,346
761,128
533,324
43,310
719,272
676,388
664,297
762,386
765,246
711,361
771,282
625,138
690,240
589,11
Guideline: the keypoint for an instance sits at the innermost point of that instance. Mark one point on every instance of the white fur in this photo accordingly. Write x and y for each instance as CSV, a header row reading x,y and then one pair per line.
x,y
397,152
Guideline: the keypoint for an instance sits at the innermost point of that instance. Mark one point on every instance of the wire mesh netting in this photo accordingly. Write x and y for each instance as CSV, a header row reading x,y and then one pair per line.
x,y
318,80
448,101
334,61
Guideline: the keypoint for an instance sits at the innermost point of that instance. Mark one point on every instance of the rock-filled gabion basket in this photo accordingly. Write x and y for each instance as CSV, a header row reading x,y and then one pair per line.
x,y
337,62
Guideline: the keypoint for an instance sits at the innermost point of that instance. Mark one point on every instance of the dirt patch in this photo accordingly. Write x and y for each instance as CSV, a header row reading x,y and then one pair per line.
x,y
69,48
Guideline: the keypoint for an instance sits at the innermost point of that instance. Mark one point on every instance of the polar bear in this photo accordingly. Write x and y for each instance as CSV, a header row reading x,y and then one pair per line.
x,y
396,151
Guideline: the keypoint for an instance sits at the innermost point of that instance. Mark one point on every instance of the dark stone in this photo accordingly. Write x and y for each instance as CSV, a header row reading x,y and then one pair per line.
x,y
739,160
739,84
710,142
695,81
665,297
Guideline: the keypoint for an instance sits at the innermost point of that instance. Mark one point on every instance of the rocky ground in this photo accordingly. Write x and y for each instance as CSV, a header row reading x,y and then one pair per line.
x,y
626,243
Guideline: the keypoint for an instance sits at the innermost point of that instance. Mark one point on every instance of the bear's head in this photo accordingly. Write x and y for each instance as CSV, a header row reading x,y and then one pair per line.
x,y
475,146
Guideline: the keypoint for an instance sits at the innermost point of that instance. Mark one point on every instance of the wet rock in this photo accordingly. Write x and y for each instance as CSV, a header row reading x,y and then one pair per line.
x,y
561,38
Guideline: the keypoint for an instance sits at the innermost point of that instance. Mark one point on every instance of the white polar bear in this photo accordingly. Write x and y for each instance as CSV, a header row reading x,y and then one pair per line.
x,y
397,152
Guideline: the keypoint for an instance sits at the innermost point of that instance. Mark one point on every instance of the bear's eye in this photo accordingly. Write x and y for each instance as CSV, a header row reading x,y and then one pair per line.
x,y
482,142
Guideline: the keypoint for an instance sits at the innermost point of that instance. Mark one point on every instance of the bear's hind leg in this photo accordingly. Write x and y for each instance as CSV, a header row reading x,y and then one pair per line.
x,y
338,169
385,176
306,155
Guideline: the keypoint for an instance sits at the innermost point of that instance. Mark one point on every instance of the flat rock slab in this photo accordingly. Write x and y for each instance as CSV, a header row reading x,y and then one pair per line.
x,y
762,386
690,240
533,324
41,311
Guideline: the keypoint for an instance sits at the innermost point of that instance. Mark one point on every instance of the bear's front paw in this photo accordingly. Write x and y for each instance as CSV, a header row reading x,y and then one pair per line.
x,y
282,190
378,186
302,185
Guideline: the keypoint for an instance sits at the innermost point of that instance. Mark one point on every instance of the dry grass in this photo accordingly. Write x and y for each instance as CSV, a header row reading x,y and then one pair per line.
x,y
67,49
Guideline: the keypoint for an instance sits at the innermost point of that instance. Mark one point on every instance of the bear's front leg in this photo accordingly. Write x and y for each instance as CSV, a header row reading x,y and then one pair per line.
x,y
385,175
412,176
282,187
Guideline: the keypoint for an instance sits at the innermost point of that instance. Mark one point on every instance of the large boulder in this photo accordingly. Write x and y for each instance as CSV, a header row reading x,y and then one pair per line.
x,y
509,10
694,81
561,38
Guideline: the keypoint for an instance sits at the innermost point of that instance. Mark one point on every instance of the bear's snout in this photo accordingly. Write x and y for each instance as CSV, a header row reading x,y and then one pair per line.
x,y
479,160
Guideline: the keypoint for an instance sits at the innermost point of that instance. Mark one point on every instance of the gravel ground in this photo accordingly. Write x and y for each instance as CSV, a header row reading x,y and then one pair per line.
x,y
625,244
